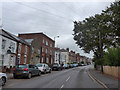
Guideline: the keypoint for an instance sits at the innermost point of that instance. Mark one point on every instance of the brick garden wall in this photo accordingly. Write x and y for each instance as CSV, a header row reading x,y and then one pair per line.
x,y
112,71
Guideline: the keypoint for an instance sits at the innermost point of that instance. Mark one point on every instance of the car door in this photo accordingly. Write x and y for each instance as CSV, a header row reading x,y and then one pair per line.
x,y
47,68
36,70
31,69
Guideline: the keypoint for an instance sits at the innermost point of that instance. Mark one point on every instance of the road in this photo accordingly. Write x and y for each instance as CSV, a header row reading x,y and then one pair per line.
x,y
71,78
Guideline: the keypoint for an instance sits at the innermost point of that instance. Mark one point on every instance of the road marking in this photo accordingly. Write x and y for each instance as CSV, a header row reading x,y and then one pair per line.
x,y
62,86
68,78
91,77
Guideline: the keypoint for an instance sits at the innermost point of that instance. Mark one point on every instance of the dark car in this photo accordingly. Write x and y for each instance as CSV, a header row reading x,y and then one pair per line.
x,y
57,66
26,70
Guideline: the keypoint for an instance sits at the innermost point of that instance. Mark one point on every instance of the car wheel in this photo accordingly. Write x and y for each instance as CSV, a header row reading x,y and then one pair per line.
x,y
29,75
3,81
14,76
39,73
45,72
50,71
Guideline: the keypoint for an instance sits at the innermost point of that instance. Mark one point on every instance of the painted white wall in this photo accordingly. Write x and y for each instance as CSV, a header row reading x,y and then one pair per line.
x,y
9,59
64,57
57,56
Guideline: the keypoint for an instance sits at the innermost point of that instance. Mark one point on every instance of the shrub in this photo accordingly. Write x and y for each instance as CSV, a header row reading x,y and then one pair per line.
x,y
112,57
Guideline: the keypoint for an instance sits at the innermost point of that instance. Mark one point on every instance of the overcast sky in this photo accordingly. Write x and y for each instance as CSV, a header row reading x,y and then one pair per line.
x,y
52,18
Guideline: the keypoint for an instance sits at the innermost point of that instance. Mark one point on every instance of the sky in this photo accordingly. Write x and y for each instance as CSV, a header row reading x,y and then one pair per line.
x,y
52,17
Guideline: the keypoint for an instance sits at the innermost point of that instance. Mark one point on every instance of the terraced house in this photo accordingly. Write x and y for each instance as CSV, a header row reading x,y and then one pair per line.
x,y
44,43
8,46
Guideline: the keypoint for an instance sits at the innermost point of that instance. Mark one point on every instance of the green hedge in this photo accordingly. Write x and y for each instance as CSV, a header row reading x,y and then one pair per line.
x,y
112,57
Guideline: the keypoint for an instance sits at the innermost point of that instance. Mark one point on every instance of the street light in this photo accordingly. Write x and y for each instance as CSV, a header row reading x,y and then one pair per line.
x,y
55,38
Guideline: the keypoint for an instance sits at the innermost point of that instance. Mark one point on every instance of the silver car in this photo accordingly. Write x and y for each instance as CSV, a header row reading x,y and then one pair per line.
x,y
44,68
3,79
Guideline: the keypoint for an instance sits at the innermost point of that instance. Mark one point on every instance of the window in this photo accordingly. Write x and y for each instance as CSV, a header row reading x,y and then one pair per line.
x,y
50,45
31,66
46,51
51,60
19,48
3,43
2,60
42,49
18,59
47,43
12,46
25,49
47,60
42,60
25,59
50,52
43,41
32,50
38,51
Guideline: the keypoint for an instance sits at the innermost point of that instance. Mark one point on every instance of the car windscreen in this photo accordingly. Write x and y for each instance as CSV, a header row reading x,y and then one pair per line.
x,y
21,66
39,65
55,65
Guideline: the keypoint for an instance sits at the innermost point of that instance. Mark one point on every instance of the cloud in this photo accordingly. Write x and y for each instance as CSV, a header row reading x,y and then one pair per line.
x,y
52,18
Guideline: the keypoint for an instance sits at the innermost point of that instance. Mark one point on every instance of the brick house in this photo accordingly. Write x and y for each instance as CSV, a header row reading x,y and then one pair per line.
x,y
34,51
72,56
22,51
77,57
46,46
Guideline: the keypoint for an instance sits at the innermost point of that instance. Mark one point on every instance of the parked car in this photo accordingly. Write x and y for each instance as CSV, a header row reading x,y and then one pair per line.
x,y
3,79
44,68
83,64
75,65
57,66
66,66
26,70
70,65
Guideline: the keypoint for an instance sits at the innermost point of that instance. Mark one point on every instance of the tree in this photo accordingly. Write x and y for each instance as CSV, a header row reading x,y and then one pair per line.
x,y
99,32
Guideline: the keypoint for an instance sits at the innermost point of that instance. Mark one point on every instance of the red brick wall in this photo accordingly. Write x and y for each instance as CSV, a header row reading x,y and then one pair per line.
x,y
40,38
22,53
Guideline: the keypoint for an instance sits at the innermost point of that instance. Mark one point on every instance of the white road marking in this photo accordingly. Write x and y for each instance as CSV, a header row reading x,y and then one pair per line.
x,y
68,78
62,86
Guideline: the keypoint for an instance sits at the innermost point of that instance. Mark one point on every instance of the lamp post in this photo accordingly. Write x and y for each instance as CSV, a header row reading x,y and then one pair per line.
x,y
55,38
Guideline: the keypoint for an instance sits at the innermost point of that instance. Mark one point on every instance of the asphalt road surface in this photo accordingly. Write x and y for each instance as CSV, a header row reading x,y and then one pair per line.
x,y
70,78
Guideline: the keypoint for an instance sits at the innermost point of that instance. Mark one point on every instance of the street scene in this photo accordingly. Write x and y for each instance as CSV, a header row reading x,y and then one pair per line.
x,y
60,44
70,78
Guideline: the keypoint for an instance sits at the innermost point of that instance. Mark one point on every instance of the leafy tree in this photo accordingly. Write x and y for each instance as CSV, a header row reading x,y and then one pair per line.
x,y
99,32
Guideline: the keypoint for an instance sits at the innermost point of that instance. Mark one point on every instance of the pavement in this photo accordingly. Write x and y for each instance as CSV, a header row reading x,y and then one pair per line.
x,y
106,80
9,75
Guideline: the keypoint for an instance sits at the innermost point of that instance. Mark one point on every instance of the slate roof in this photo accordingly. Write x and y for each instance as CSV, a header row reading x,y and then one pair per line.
x,y
12,36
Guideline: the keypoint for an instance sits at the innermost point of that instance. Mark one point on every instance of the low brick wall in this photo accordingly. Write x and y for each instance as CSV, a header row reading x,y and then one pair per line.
x,y
112,70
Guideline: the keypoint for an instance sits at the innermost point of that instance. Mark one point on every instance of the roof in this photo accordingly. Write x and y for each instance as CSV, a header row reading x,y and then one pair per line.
x,y
63,50
41,33
13,37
